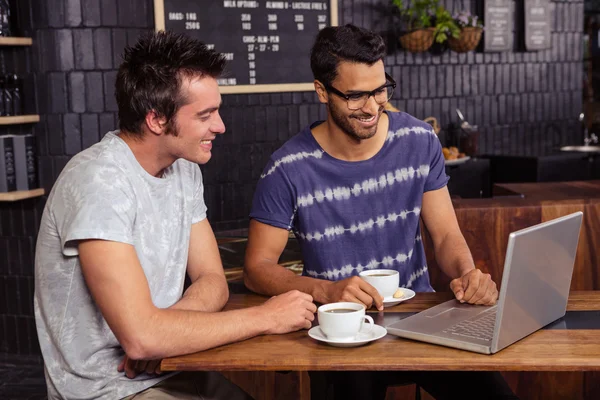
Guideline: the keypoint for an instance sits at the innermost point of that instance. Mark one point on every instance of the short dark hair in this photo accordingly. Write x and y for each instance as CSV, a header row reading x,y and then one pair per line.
x,y
343,43
151,74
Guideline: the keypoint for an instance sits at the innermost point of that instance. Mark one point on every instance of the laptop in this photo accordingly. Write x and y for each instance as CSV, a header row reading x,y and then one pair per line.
x,y
535,288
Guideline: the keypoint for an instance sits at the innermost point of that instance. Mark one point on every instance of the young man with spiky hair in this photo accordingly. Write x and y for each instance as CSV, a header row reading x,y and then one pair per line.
x,y
123,224
353,189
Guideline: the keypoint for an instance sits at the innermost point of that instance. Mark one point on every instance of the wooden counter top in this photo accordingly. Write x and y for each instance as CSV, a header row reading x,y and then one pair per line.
x,y
535,194
486,224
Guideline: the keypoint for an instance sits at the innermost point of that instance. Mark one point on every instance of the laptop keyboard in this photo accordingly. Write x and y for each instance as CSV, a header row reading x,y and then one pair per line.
x,y
478,327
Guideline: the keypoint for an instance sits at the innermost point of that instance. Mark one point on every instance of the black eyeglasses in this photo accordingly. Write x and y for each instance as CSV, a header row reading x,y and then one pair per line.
x,y
358,100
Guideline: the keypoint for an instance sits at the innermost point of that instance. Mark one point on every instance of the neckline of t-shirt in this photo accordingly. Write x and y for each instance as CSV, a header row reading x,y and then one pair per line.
x,y
346,162
139,169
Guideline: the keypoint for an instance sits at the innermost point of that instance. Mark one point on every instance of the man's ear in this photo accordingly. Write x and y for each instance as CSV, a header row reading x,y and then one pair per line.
x,y
155,123
321,92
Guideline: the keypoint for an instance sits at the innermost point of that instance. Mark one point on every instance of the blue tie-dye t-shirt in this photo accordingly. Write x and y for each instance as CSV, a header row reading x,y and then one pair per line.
x,y
354,216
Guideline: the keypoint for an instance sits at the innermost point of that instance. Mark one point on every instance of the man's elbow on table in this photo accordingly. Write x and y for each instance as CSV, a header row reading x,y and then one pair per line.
x,y
252,277
142,340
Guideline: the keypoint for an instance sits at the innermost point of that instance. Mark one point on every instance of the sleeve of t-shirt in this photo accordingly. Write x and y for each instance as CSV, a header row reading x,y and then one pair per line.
x,y
98,207
437,177
199,209
274,199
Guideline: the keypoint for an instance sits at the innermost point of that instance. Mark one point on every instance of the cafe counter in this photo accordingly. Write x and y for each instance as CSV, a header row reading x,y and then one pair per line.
x,y
486,224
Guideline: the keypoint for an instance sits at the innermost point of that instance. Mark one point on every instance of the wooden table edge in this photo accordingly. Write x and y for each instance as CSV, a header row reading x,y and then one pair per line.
x,y
168,366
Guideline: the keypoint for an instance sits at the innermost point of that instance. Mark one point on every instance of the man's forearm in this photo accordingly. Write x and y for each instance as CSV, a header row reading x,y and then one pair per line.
x,y
209,293
275,279
453,256
169,332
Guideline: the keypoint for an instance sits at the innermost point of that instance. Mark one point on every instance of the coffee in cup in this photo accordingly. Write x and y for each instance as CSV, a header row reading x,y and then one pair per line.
x,y
342,321
386,281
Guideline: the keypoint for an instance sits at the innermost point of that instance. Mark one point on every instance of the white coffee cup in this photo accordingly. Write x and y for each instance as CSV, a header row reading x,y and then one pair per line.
x,y
386,281
342,321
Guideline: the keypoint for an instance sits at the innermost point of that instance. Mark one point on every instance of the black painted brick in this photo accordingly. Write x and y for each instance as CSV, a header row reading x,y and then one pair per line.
x,y
53,12
419,111
499,83
54,129
12,294
431,83
119,41
3,258
5,223
103,54
423,84
84,49
457,80
76,92
72,133
133,34
94,94
449,80
132,13
57,92
260,117
89,130
72,13
10,340
109,13
441,80
414,82
110,103
64,41
92,16
517,108
18,223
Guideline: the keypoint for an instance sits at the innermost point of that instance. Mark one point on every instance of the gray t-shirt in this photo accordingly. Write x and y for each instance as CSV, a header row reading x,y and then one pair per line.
x,y
104,193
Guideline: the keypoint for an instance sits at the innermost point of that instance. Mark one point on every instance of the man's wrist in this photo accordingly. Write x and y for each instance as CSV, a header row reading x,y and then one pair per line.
x,y
320,291
262,319
463,270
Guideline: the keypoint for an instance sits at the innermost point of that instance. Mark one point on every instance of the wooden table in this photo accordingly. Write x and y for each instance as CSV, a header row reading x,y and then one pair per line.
x,y
545,350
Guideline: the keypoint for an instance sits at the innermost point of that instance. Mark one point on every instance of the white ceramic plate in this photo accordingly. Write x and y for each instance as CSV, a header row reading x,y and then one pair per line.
x,y
362,338
458,160
392,301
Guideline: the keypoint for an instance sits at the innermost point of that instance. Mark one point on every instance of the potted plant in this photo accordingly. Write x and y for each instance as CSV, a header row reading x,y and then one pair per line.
x,y
471,29
444,26
419,33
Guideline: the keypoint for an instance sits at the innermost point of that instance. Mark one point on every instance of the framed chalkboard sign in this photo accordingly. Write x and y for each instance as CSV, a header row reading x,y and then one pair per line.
x,y
267,43
537,25
497,17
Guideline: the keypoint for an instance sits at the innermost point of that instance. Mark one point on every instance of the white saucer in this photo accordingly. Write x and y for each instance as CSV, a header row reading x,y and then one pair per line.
x,y
392,301
457,161
363,337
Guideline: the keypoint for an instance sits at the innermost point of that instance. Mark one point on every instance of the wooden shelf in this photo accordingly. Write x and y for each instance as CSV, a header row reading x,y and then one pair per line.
x,y
15,41
19,119
21,195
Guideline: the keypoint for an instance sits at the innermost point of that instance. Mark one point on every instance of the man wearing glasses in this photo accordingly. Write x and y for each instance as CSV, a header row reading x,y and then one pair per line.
x,y
352,188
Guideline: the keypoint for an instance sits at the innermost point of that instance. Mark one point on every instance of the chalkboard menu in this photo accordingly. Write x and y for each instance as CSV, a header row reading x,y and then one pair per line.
x,y
497,18
537,25
266,43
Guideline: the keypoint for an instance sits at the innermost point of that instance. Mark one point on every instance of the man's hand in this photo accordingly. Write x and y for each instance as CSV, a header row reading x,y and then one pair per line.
x,y
475,287
289,312
133,368
355,290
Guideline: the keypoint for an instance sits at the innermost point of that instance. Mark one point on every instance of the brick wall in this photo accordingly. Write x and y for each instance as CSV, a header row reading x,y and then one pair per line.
x,y
524,102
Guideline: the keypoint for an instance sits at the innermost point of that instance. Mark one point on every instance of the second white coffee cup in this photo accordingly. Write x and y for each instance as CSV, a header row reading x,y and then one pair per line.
x,y
342,321
386,281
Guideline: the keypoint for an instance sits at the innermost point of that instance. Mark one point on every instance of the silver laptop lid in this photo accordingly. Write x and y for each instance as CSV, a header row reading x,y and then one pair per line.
x,y
536,278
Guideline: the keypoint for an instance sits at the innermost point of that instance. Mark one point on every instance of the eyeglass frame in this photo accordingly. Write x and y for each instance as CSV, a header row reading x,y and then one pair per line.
x,y
390,82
